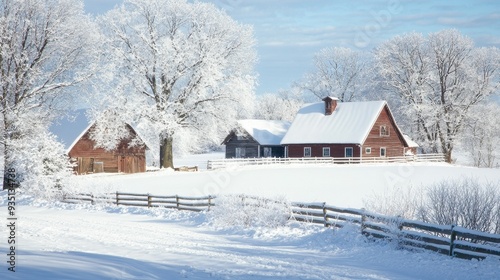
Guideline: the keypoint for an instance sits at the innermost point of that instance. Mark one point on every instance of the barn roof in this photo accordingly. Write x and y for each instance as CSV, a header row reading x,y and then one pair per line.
x,y
91,125
265,132
79,137
350,123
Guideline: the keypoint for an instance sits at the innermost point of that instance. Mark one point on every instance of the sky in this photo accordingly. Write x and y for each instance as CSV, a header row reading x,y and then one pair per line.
x,y
290,32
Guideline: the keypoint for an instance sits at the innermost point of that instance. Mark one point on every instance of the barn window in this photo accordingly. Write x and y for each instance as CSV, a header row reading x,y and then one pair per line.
x,y
383,152
240,152
384,130
307,151
326,151
348,152
368,150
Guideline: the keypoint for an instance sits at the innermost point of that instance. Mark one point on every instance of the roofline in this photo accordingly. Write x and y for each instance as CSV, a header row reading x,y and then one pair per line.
x,y
92,124
137,134
233,132
401,135
374,120
79,137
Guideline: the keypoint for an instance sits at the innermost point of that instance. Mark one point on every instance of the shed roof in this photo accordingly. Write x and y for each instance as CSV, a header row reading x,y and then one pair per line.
x,y
86,130
411,143
350,123
265,132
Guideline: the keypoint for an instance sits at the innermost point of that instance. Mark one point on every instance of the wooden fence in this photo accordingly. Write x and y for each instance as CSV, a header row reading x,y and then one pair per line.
x,y
197,204
450,240
445,239
222,163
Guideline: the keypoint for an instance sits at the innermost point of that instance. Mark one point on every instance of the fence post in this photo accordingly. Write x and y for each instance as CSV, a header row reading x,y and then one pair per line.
x,y
324,214
453,237
149,200
177,201
363,220
400,232
209,202
117,198
92,199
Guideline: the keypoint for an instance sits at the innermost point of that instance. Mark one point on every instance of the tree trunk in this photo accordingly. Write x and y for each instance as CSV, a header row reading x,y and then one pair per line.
x,y
10,179
447,155
166,155
4,151
6,167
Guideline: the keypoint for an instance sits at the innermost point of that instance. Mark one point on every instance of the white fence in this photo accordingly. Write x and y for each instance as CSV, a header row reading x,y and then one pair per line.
x,y
223,163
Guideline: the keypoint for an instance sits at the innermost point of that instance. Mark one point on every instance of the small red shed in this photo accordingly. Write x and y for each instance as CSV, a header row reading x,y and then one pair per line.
x,y
126,158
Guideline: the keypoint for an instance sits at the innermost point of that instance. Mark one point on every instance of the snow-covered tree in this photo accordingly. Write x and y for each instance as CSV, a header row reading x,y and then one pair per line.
x,y
46,49
38,158
481,135
281,106
186,67
438,79
339,72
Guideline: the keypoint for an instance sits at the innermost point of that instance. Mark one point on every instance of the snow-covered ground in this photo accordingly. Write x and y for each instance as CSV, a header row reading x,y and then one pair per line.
x,y
63,241
339,185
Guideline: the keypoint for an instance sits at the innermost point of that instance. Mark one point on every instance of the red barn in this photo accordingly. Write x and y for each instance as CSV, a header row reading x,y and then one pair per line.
x,y
124,158
344,129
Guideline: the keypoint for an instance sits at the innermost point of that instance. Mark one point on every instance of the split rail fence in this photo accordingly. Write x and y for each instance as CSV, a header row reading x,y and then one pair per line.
x,y
223,163
197,204
445,239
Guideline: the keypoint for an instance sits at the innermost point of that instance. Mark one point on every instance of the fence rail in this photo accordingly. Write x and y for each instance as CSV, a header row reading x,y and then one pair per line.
x,y
222,163
145,200
450,240
445,239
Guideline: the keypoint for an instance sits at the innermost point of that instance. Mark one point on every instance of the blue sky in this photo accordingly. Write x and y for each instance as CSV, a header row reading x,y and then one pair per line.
x,y
290,32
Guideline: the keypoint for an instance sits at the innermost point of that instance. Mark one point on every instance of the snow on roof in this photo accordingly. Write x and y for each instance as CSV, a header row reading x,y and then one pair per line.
x,y
87,129
350,123
331,97
78,137
266,132
410,142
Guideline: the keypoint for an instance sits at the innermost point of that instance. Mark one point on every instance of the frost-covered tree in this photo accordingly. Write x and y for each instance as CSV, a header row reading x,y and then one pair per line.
x,y
438,79
481,135
339,72
281,106
187,67
46,49
38,158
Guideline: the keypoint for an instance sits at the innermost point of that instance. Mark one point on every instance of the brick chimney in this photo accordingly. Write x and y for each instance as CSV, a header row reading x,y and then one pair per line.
x,y
330,104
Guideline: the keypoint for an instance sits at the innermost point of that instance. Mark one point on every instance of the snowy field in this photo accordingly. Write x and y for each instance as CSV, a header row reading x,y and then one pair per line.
x,y
63,241
339,185
97,242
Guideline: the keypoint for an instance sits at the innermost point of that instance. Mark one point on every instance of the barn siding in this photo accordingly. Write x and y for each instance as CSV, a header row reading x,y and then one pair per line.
x,y
393,143
250,145
336,150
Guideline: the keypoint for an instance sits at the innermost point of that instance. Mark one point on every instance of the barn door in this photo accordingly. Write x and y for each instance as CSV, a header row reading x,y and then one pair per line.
x,y
121,164
88,165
